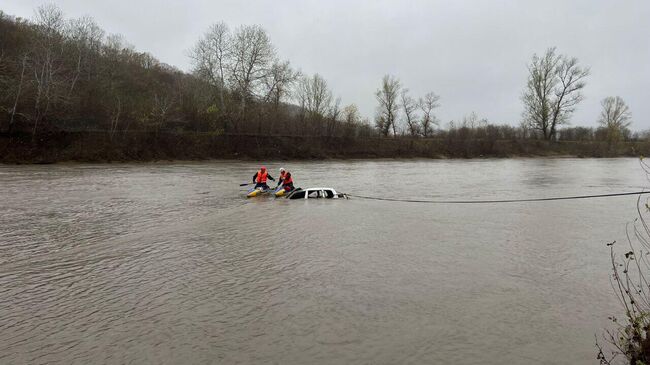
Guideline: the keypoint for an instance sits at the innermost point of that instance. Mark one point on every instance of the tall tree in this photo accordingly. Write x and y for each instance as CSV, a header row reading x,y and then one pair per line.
x,y
615,117
351,119
18,93
332,118
553,90
253,54
351,114
85,37
279,82
427,104
48,61
314,96
212,57
472,121
387,111
409,106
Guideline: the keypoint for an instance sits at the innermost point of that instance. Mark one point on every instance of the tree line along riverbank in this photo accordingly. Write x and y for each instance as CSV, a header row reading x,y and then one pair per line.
x,y
63,77
100,147
71,92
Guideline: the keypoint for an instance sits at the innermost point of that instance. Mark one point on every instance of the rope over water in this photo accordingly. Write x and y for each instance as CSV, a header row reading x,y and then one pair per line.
x,y
498,201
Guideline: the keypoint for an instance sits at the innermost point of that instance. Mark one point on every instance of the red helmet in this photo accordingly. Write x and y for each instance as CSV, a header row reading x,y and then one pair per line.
x,y
263,168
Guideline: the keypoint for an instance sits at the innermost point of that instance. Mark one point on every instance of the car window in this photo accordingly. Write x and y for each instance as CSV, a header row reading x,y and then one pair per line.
x,y
298,195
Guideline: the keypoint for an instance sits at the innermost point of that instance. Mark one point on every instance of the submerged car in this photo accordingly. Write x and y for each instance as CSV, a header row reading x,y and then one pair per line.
x,y
315,193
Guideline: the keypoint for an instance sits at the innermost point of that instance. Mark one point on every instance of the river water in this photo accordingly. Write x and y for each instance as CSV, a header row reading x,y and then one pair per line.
x,y
170,264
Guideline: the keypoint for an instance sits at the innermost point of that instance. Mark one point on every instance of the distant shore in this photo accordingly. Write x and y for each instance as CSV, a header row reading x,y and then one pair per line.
x,y
99,147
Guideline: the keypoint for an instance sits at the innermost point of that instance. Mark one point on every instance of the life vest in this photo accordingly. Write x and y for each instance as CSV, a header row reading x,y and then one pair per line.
x,y
287,180
261,176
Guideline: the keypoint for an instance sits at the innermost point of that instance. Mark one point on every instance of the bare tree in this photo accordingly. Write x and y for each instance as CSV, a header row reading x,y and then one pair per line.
x,y
162,106
253,54
314,96
472,121
278,85
115,43
351,114
615,117
334,111
333,116
18,92
115,117
86,37
388,107
568,94
211,57
409,106
427,104
47,60
50,20
279,82
351,119
553,91
524,128
382,124
539,89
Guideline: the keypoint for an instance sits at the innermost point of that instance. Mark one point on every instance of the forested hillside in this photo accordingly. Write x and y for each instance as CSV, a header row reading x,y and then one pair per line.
x,y
68,74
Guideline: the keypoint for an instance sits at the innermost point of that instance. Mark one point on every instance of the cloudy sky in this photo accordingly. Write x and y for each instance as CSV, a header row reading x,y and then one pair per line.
x,y
472,53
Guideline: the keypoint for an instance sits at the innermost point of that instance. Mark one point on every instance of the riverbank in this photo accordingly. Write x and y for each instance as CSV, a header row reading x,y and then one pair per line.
x,y
137,146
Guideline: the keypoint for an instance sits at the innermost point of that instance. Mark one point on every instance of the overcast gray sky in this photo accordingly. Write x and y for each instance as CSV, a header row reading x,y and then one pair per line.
x,y
472,53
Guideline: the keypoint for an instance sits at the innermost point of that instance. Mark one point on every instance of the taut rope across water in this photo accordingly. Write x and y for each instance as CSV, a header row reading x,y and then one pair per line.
x,y
499,201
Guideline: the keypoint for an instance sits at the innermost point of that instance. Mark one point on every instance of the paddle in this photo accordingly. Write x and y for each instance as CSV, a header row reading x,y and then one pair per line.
x,y
245,184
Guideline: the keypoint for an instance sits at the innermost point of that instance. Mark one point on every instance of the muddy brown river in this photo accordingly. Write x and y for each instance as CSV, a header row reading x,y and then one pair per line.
x,y
169,263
